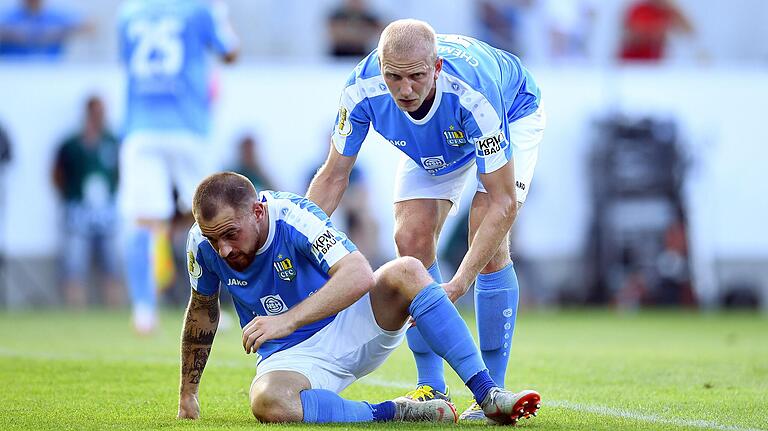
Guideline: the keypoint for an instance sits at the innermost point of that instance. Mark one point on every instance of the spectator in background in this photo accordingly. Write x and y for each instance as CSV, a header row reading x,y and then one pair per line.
x,y
164,47
647,26
85,173
354,29
248,163
33,31
500,23
568,24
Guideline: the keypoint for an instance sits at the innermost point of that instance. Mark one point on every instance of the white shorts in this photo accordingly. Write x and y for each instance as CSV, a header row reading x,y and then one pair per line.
x,y
413,182
350,347
151,163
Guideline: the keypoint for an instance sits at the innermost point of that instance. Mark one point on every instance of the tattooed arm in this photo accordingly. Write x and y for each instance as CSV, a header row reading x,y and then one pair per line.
x,y
200,323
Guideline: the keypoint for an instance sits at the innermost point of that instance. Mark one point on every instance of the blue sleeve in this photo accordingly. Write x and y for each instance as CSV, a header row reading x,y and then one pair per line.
x,y
202,279
486,125
216,29
315,236
353,119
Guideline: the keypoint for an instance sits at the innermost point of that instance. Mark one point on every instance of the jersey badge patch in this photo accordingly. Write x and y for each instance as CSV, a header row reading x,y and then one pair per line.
x,y
273,304
433,163
195,271
489,145
454,138
285,269
344,126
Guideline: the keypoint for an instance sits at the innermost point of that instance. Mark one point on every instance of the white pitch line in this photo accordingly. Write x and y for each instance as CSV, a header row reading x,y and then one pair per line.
x,y
375,381
598,410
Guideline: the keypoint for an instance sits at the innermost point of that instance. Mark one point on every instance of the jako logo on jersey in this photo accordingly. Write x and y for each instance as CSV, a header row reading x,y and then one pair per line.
x,y
273,304
490,145
344,126
454,138
236,282
397,143
324,242
195,271
285,269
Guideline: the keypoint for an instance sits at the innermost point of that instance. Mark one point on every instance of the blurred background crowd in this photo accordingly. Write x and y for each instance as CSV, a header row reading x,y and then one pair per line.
x,y
650,187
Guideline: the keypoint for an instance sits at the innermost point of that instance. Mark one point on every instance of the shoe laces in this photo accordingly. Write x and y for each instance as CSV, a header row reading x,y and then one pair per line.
x,y
421,393
475,405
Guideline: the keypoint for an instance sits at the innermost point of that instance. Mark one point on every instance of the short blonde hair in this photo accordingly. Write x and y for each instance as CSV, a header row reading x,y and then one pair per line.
x,y
406,36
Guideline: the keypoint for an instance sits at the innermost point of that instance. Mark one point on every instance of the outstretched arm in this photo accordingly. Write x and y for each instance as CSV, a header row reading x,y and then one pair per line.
x,y
500,216
331,181
200,322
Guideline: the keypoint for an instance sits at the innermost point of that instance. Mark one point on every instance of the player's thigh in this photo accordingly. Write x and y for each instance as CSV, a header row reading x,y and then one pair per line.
x,y
349,347
190,162
145,182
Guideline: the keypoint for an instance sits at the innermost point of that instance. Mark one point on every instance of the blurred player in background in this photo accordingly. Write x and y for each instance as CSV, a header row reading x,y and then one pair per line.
x,y
164,45
85,173
316,313
448,102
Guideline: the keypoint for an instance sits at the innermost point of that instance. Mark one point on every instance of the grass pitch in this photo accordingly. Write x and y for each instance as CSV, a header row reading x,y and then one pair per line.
x,y
596,370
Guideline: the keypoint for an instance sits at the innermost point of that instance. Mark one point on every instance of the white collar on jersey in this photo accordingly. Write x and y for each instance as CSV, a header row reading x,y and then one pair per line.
x,y
439,86
266,197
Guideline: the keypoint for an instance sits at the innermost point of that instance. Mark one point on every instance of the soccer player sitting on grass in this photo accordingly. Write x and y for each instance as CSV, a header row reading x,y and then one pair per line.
x,y
316,313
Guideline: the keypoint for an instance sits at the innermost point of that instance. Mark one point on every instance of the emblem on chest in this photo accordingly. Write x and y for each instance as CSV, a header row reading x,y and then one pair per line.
x,y
284,268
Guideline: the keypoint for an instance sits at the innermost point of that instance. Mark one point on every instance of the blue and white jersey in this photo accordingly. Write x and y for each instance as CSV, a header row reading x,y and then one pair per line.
x,y
165,45
301,247
479,91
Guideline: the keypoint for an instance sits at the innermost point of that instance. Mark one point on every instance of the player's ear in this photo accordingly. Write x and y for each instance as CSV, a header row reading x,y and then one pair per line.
x,y
438,66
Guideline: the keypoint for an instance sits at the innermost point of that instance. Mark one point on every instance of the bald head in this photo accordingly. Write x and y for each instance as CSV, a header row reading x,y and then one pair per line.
x,y
220,190
408,37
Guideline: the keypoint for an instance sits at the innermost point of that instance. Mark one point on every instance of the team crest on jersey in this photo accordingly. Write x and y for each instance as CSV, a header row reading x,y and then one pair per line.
x,y
273,304
489,145
454,138
195,271
285,269
344,126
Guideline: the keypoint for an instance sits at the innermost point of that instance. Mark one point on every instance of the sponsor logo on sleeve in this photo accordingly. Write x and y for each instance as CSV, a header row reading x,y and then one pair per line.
x,y
487,146
273,304
453,137
344,126
285,269
195,271
325,242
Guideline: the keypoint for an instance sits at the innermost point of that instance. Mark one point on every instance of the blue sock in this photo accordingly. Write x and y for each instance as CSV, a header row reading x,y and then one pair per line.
x,y
139,272
429,365
496,297
480,384
321,406
445,331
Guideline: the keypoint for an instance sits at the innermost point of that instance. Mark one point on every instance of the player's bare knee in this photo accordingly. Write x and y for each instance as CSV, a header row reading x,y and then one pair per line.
x,y
499,260
406,275
410,242
271,407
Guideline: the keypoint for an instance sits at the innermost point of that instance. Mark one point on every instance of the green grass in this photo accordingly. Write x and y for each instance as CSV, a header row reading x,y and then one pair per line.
x,y
594,369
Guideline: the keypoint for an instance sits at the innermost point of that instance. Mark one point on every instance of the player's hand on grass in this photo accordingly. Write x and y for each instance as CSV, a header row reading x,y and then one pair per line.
x,y
264,328
189,407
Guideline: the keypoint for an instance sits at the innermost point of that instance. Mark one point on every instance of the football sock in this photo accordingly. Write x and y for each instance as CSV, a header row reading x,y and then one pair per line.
x,y
480,384
139,270
429,365
445,331
322,406
496,298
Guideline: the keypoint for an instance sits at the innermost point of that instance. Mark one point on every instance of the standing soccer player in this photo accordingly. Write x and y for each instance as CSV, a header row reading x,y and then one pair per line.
x,y
448,102
164,46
